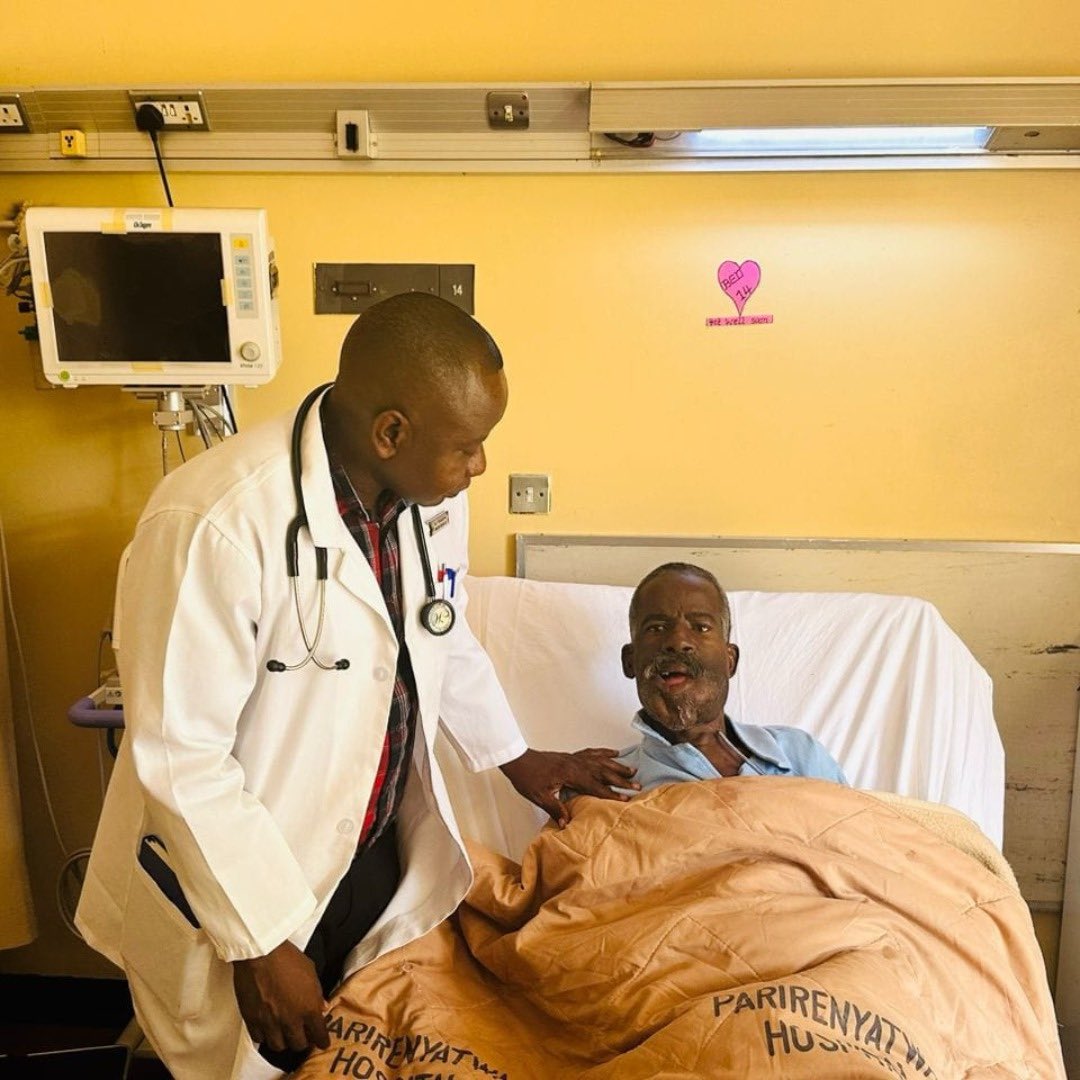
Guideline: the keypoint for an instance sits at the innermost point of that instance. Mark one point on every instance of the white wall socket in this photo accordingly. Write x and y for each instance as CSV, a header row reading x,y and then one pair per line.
x,y
12,117
354,137
181,112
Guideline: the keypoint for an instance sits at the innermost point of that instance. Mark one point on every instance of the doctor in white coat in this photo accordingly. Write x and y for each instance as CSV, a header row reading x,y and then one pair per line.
x,y
249,783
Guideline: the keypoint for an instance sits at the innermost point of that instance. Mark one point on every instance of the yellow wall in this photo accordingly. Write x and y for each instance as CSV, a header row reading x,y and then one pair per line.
x,y
76,42
921,378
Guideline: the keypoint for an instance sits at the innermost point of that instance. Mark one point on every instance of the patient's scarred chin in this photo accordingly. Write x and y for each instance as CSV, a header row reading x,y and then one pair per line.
x,y
682,716
685,706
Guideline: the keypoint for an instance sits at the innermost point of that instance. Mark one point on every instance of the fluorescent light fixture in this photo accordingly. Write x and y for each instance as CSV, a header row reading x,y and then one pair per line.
x,y
823,141
853,123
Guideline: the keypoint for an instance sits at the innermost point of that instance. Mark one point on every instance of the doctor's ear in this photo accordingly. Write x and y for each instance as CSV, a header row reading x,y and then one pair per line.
x,y
390,430
628,661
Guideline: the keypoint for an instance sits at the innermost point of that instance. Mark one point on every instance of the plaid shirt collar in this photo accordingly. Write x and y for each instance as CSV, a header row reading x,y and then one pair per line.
x,y
388,506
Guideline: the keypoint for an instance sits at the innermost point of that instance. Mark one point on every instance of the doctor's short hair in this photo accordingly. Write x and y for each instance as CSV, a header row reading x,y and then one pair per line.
x,y
693,571
419,332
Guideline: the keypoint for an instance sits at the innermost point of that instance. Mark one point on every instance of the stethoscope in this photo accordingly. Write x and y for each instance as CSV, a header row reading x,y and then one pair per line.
x,y
436,616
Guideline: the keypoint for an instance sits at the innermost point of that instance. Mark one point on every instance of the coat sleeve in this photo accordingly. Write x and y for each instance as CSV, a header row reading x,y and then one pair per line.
x,y
188,609
474,713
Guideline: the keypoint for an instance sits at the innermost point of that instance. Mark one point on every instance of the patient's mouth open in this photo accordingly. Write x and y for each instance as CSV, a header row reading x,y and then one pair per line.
x,y
673,669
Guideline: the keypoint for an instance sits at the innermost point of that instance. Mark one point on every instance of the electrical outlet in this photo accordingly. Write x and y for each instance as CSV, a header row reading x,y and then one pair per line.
x,y
12,116
354,135
182,111
508,109
530,493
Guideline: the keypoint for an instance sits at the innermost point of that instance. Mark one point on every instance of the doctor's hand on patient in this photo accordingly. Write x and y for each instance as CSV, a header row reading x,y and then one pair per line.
x,y
540,776
281,1000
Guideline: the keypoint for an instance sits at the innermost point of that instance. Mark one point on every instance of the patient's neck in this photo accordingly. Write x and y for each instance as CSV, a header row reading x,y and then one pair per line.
x,y
721,751
714,738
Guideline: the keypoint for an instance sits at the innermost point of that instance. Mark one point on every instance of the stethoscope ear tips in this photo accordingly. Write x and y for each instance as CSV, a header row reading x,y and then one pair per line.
x,y
277,665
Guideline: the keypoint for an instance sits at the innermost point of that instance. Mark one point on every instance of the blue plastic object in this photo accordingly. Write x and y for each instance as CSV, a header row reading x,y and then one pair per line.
x,y
84,713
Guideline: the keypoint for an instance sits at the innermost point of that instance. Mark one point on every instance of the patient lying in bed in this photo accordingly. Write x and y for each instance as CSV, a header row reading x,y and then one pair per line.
x,y
781,927
682,658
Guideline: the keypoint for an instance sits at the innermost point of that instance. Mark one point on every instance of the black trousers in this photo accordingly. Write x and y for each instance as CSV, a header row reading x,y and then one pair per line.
x,y
362,896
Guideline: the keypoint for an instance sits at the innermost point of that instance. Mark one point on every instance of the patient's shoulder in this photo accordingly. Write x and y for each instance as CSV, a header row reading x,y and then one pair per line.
x,y
807,756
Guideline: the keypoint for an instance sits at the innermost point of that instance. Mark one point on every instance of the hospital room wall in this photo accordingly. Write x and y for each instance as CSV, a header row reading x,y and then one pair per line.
x,y
919,379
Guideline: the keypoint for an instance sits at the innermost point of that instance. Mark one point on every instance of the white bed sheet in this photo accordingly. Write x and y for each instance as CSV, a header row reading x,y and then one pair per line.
x,y
881,681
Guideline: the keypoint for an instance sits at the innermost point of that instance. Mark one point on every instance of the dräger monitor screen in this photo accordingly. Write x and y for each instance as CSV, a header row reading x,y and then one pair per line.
x,y
138,297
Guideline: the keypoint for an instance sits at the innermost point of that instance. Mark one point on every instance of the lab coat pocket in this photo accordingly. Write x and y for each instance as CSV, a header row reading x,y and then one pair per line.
x,y
171,955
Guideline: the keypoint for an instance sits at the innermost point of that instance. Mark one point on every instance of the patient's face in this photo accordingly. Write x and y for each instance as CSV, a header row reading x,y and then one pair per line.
x,y
678,655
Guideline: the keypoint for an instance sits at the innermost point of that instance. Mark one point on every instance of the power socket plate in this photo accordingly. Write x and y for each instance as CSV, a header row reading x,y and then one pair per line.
x,y
530,493
182,111
12,115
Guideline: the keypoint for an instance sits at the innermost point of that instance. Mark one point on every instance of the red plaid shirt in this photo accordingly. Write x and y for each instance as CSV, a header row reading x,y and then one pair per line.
x,y
378,540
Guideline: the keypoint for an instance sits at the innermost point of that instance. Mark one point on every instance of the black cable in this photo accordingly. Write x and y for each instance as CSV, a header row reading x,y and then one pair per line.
x,y
148,118
641,140
161,167
217,422
228,405
201,423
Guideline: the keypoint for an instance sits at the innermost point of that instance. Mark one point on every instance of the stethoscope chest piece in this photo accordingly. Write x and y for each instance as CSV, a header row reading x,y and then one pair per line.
x,y
437,617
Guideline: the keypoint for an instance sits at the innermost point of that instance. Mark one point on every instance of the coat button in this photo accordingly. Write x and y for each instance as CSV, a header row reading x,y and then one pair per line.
x,y
381,673
346,826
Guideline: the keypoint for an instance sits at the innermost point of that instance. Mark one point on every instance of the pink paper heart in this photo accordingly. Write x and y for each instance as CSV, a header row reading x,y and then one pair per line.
x,y
739,281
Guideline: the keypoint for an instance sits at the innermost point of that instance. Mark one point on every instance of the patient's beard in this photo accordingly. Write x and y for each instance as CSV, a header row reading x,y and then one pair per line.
x,y
682,715
697,705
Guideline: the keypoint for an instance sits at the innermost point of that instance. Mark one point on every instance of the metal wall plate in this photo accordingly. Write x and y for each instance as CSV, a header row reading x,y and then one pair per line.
x,y
349,288
1032,138
530,493
508,109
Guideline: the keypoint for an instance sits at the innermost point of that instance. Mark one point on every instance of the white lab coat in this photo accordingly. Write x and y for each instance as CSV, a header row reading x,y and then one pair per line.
x,y
257,781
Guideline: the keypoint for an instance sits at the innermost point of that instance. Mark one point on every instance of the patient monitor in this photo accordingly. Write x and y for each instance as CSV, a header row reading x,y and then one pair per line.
x,y
169,297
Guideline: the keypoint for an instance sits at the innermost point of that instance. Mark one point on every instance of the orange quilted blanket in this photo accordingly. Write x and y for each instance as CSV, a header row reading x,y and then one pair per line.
x,y
746,927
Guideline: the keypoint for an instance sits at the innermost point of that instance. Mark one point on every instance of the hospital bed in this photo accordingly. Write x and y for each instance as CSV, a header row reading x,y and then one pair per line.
x,y
740,927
